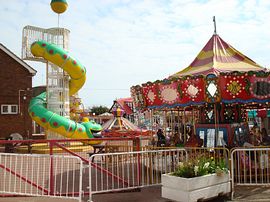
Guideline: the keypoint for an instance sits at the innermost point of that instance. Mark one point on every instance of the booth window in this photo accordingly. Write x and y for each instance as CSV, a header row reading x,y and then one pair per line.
x,y
9,109
210,138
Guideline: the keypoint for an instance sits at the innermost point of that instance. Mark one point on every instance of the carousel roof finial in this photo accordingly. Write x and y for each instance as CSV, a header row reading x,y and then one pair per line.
x,y
215,28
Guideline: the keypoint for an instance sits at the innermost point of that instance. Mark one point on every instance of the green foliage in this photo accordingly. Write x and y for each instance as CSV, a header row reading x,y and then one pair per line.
x,y
99,109
200,166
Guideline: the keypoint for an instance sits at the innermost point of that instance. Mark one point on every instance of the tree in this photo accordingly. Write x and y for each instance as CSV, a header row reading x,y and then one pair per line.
x,y
99,109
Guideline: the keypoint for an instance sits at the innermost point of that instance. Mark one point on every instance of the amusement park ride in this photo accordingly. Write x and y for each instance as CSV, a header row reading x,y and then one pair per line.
x,y
119,126
65,77
216,91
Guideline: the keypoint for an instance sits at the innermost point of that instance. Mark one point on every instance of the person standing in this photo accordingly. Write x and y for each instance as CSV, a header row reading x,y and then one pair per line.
x,y
161,138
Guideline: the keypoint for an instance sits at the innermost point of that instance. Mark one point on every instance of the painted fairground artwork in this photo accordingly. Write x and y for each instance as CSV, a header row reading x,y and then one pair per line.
x,y
220,99
213,108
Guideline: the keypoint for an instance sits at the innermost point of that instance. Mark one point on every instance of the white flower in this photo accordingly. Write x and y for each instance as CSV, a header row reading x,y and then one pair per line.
x,y
196,169
181,164
206,165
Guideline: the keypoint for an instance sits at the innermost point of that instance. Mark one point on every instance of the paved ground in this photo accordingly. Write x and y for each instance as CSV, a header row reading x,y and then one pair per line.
x,y
153,194
252,193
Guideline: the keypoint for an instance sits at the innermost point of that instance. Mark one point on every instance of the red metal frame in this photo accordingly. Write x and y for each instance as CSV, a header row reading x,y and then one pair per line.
x,y
24,179
53,143
130,134
51,168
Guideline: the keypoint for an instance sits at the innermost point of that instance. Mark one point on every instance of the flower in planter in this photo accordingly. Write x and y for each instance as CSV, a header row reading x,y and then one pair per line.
x,y
196,179
200,166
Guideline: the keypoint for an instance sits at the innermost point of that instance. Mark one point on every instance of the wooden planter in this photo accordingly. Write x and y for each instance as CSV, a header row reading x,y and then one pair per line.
x,y
192,189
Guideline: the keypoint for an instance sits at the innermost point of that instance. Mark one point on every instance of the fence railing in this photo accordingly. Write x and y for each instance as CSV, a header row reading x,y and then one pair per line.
x,y
250,166
131,170
126,164
41,175
80,146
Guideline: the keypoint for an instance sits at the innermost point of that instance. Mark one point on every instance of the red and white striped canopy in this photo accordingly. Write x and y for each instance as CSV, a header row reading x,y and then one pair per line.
x,y
218,56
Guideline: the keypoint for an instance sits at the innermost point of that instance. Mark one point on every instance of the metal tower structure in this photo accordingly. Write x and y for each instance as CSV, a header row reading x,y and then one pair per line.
x,y
57,81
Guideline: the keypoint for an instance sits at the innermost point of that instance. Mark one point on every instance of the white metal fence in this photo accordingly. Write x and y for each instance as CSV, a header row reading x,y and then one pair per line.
x,y
41,175
63,177
250,166
122,171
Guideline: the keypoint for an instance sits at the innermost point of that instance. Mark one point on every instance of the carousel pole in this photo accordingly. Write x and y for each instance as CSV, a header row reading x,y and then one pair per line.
x,y
155,122
215,107
151,120
172,121
268,119
184,122
193,121
215,119
164,121
218,121
215,104
178,123
218,118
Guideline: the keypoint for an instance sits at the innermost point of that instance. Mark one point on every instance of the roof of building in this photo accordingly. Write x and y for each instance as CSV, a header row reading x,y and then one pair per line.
x,y
218,56
20,61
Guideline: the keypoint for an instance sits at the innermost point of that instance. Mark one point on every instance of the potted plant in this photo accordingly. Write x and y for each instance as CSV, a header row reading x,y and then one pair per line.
x,y
198,178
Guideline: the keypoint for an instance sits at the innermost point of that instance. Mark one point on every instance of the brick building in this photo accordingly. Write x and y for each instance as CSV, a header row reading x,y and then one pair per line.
x,y
15,94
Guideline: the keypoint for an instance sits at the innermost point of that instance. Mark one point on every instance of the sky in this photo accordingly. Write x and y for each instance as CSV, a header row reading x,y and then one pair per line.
x,y
123,43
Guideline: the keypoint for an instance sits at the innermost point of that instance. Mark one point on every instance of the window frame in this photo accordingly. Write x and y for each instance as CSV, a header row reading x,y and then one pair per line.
x,y
10,106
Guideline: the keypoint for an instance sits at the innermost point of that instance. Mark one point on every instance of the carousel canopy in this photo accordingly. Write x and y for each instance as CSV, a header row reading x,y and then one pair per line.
x,y
119,123
120,126
218,56
219,74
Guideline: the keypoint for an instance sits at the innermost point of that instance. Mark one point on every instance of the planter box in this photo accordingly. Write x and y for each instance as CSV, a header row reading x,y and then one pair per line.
x,y
192,189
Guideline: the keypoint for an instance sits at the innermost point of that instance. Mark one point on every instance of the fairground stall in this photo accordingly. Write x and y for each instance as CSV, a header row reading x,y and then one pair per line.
x,y
212,96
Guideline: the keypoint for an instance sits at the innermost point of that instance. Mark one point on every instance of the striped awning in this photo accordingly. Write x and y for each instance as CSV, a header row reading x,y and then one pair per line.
x,y
218,56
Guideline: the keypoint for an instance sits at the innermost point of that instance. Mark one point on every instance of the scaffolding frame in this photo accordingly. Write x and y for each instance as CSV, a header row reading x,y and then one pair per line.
x,y
57,81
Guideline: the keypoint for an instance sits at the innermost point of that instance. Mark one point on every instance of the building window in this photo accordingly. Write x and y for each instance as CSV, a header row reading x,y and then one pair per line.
x,y
9,109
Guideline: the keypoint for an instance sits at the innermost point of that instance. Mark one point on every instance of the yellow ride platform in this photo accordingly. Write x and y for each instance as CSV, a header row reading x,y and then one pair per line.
x,y
43,148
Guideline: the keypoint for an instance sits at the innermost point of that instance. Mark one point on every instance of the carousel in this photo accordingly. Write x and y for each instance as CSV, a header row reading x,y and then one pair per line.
x,y
213,96
119,126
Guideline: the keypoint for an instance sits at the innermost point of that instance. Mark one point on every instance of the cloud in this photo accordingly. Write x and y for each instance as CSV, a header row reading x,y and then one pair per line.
x,y
125,43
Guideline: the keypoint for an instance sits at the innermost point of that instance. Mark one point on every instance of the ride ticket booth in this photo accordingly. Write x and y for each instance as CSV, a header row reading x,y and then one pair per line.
x,y
229,135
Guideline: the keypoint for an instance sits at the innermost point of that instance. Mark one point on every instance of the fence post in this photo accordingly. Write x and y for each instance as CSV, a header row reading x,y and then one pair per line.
x,y
138,143
51,144
138,148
